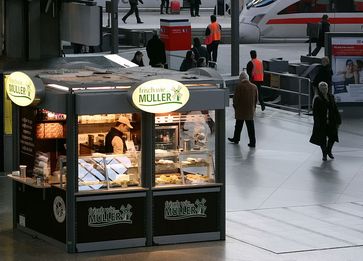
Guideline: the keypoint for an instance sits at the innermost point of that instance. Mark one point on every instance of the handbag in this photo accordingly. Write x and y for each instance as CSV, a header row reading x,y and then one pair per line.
x,y
208,39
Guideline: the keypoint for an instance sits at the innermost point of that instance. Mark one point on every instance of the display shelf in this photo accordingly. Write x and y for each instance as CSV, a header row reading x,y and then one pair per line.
x,y
182,168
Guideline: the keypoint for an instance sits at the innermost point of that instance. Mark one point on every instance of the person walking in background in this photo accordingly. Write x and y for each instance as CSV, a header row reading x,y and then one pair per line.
x,y
188,62
196,7
326,121
256,74
138,59
244,104
199,50
155,50
324,27
133,9
164,3
214,32
324,74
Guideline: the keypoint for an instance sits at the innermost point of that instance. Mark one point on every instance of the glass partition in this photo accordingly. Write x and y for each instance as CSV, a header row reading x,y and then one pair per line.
x,y
184,148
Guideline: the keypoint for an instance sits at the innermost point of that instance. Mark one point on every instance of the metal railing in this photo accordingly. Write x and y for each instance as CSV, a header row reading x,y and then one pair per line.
x,y
299,93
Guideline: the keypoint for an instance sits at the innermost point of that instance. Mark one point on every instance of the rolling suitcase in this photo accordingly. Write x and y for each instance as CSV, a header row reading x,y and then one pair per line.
x,y
175,7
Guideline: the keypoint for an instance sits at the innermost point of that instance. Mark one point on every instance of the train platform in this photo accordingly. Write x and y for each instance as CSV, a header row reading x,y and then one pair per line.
x,y
151,19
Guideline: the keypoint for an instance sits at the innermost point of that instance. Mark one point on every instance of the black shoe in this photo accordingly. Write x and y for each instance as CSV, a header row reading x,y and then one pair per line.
x,y
324,158
124,20
263,107
330,155
233,141
251,145
139,22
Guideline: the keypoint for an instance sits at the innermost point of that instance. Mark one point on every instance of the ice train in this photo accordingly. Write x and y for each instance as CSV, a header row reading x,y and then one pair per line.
x,y
286,20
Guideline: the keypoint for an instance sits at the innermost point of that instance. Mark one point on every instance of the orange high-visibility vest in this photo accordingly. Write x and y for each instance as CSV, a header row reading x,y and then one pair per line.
x,y
257,71
215,31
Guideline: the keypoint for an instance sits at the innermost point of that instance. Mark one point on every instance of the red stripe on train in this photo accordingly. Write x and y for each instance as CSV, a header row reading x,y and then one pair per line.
x,y
342,20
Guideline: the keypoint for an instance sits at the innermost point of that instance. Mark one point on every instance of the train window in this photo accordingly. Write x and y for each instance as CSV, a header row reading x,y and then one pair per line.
x,y
341,6
308,6
259,3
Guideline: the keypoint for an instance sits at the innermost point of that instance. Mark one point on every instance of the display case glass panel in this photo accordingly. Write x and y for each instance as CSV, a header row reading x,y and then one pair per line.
x,y
109,151
184,148
108,171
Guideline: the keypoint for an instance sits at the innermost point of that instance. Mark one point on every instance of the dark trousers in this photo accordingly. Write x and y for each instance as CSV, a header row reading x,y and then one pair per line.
x,y
196,8
164,3
316,50
260,94
327,147
213,50
132,10
192,8
250,129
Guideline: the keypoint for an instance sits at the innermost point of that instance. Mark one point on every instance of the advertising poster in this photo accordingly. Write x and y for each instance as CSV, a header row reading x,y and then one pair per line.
x,y
347,66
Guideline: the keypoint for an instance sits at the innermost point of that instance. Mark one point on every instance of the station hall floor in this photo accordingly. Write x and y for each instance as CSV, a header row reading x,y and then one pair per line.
x,y
283,201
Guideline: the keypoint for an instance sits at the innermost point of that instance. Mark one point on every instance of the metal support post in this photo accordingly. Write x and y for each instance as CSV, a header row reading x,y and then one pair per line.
x,y
235,38
148,148
72,173
221,166
309,98
299,97
114,26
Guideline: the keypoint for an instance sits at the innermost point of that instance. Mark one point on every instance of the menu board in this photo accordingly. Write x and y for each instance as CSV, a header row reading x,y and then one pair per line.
x,y
347,66
27,138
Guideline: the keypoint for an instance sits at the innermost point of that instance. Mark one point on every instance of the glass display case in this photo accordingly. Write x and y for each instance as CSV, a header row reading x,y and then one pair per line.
x,y
190,160
183,168
108,171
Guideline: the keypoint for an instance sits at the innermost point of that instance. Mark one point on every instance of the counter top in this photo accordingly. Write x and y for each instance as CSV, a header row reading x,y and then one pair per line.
x,y
186,186
29,181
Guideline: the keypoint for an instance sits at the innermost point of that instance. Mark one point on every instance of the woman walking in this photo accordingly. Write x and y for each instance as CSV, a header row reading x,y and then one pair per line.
x,y
326,121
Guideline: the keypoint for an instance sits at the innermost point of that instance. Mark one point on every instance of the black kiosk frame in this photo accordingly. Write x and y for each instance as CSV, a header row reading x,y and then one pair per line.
x,y
154,218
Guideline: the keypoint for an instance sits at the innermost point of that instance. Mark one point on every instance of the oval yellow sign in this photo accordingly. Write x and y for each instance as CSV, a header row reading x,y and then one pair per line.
x,y
20,88
160,96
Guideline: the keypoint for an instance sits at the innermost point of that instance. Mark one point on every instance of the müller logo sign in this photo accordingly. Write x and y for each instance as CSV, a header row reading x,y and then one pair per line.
x,y
177,210
160,96
21,89
103,217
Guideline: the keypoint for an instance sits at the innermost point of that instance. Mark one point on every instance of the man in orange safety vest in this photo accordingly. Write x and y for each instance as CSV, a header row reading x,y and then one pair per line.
x,y
255,72
213,31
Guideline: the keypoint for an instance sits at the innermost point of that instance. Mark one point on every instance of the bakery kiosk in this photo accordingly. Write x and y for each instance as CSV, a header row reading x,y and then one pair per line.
x,y
72,186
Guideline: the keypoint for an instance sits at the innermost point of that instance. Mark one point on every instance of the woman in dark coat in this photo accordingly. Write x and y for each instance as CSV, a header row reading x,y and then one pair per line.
x,y
326,121
138,59
188,62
